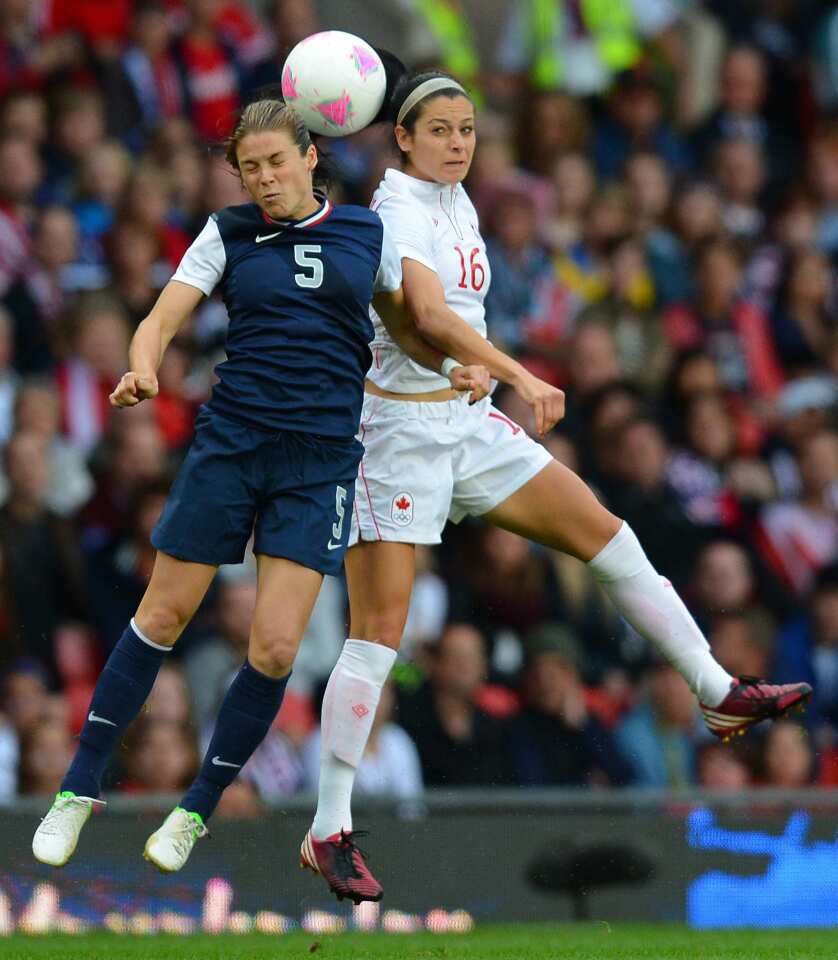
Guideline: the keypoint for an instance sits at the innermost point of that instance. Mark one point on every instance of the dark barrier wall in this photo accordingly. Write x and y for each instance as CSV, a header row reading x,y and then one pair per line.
x,y
759,859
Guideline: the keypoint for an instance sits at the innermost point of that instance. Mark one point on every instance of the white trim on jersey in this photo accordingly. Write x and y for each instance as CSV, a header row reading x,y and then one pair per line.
x,y
203,263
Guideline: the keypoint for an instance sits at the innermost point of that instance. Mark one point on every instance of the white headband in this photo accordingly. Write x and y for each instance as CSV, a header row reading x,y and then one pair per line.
x,y
433,85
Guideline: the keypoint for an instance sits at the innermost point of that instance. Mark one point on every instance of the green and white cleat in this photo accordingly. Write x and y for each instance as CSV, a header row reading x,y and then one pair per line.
x,y
56,838
169,847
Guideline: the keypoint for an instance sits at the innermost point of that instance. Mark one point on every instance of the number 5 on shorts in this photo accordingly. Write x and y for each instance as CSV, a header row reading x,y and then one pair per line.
x,y
340,510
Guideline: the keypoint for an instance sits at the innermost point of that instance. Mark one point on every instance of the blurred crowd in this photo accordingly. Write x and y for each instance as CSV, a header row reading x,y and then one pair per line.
x,y
658,185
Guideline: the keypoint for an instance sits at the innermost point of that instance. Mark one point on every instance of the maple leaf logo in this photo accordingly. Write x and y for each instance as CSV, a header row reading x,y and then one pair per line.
x,y
403,503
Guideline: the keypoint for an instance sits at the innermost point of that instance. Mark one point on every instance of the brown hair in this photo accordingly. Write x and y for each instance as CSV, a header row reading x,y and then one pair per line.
x,y
264,115
267,115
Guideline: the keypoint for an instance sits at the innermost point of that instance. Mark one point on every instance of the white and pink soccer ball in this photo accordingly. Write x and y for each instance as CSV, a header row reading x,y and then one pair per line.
x,y
335,81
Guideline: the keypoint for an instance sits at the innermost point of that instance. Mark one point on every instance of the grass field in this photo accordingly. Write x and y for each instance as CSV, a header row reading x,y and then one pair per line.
x,y
523,942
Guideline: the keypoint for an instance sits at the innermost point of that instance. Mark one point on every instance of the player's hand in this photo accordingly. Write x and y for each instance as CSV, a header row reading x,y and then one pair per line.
x,y
474,378
133,388
547,401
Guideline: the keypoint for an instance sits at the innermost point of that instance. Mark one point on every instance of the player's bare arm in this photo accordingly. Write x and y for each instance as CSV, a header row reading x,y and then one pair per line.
x,y
390,307
445,329
174,305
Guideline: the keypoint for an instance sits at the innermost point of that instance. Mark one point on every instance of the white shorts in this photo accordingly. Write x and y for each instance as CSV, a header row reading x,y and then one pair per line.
x,y
425,463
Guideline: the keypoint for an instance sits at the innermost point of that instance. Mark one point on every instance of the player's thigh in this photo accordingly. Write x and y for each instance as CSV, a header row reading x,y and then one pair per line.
x,y
557,509
286,594
379,576
174,593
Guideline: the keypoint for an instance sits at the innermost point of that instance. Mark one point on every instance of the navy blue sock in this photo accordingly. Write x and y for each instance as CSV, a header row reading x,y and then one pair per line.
x,y
246,715
122,689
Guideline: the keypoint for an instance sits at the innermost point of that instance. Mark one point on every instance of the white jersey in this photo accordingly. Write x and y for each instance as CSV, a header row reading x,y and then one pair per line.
x,y
436,225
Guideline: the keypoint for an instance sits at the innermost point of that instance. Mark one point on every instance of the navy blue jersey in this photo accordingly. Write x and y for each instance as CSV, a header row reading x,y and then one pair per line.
x,y
297,294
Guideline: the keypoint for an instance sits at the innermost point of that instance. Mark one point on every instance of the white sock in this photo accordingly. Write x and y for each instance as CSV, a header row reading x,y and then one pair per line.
x,y
654,609
349,706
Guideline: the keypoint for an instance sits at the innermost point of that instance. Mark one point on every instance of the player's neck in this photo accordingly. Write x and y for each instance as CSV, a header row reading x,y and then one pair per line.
x,y
309,206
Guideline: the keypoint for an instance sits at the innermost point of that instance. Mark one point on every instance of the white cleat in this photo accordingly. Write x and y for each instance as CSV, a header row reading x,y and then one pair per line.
x,y
56,838
169,847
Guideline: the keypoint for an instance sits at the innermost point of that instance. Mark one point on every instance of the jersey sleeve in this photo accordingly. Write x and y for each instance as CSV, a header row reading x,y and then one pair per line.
x,y
410,229
203,263
389,276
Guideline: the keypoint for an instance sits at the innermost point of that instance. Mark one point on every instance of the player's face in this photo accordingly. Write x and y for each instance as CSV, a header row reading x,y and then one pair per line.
x,y
441,146
276,175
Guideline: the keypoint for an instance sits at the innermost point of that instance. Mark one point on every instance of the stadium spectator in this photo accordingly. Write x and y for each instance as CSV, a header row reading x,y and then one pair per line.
x,y
146,90
78,130
720,767
20,175
743,643
119,569
132,454
46,750
43,569
734,331
658,737
162,756
459,744
804,318
788,760
25,698
102,181
38,410
799,537
209,70
86,377
636,120
39,295
556,740
639,492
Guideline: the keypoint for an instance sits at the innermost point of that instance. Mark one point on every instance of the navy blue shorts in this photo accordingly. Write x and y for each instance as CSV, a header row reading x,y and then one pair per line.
x,y
295,489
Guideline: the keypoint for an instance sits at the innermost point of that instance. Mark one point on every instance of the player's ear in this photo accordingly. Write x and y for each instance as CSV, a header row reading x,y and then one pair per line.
x,y
311,158
404,138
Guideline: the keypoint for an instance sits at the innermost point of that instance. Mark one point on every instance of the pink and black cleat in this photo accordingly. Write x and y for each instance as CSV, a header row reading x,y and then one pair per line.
x,y
342,864
751,700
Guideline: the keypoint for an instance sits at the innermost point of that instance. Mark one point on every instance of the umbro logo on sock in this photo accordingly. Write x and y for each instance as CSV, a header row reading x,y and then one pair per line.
x,y
360,710
94,719
218,762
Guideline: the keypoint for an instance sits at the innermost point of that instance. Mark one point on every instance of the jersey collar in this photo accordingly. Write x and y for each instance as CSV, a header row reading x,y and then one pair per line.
x,y
401,181
318,216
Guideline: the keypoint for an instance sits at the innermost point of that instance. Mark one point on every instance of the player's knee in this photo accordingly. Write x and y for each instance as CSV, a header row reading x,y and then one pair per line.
x,y
273,652
162,622
382,626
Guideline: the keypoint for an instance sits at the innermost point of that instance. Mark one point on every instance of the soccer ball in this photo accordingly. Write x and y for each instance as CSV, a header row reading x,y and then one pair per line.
x,y
335,81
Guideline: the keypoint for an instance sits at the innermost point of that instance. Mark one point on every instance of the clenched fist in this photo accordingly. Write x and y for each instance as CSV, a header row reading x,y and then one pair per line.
x,y
133,388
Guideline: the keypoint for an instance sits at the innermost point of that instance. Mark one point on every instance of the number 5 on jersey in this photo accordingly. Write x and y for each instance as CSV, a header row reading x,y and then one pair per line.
x,y
340,510
304,256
